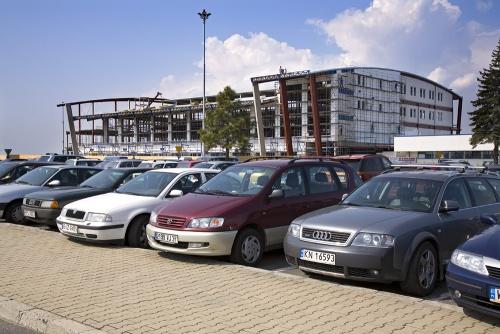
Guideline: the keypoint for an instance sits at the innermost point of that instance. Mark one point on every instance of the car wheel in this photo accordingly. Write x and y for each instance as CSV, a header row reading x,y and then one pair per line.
x,y
248,248
423,271
14,213
136,235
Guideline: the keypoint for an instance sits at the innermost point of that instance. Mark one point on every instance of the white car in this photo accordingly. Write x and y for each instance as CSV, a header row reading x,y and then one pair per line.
x,y
123,215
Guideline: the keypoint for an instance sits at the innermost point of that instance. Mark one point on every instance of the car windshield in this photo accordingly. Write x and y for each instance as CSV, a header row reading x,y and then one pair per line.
x,y
38,176
105,179
238,181
203,165
146,164
147,184
396,193
44,158
354,164
6,167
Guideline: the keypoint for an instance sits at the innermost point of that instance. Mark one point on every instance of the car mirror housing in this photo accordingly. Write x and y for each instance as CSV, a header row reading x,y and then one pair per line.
x,y
276,193
448,206
54,183
176,193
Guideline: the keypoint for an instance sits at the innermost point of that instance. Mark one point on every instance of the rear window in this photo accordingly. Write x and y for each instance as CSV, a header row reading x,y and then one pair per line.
x,y
354,164
495,183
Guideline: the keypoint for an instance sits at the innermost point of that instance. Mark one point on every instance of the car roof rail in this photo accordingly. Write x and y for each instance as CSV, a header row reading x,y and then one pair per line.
x,y
269,158
458,168
319,158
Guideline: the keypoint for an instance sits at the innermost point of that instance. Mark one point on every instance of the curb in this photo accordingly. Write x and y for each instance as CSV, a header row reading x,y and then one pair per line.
x,y
40,320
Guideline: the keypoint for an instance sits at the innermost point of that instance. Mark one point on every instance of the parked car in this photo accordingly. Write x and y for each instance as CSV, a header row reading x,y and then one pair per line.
x,y
42,178
247,208
54,157
188,163
165,164
473,275
220,165
83,162
119,163
398,227
45,206
12,170
123,214
366,165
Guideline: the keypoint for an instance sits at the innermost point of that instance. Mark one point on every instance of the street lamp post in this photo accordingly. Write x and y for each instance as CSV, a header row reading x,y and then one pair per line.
x,y
204,16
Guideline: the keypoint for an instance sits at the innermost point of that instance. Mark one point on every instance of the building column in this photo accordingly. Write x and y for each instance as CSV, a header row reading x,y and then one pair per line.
x,y
71,124
188,125
286,117
119,128
459,116
315,114
152,129
258,119
304,110
169,128
136,130
105,130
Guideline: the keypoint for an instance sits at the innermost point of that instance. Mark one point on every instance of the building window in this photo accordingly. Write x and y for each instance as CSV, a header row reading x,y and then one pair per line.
x,y
404,111
359,104
380,83
380,107
363,105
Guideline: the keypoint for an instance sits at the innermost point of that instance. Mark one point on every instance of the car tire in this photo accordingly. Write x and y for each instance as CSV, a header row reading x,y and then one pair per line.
x,y
14,213
423,271
136,235
248,248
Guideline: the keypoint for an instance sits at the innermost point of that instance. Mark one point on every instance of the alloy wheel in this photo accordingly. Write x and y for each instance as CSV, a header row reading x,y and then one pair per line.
x,y
426,269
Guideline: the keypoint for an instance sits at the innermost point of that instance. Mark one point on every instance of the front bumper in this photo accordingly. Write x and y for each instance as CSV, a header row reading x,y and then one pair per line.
x,y
42,215
215,243
473,290
114,231
351,262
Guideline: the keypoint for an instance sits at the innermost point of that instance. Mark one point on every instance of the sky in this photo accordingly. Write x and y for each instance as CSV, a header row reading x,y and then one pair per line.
x,y
55,50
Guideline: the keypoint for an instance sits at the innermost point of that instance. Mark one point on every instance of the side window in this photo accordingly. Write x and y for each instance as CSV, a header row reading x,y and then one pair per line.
x,y
188,183
135,163
291,182
321,180
343,177
210,176
481,191
60,158
457,191
67,177
124,164
495,183
386,163
86,173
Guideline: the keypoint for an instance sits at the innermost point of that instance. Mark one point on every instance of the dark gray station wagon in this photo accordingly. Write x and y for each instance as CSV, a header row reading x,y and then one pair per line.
x,y
401,226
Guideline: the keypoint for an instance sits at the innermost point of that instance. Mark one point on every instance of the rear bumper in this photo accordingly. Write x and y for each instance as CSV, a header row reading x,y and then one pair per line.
x,y
93,231
351,262
214,243
473,290
42,215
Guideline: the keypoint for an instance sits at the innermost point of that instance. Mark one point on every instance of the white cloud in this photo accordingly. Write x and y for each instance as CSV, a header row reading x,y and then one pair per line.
x,y
484,5
464,81
438,74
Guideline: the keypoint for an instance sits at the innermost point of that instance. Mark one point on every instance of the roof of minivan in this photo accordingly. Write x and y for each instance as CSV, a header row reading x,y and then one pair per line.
x,y
183,170
436,175
278,163
353,156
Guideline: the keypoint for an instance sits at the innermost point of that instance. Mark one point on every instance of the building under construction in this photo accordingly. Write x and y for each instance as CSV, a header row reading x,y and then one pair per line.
x,y
336,111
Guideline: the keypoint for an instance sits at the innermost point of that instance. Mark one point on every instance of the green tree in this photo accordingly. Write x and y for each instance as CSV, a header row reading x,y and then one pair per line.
x,y
228,125
485,119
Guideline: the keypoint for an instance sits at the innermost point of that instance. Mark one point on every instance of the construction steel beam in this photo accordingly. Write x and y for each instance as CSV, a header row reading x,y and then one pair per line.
x,y
71,124
286,117
258,119
315,114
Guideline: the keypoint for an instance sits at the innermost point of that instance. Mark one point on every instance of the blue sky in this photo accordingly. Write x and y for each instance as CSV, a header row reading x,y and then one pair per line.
x,y
53,51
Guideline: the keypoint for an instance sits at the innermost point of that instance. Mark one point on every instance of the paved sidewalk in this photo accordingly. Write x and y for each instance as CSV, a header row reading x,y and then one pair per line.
x,y
125,290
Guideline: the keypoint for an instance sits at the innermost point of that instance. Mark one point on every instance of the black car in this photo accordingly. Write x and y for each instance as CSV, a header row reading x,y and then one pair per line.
x,y
398,227
12,170
45,206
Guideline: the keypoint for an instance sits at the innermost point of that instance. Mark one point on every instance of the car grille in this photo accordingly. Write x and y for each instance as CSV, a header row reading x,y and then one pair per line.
x,y
33,202
323,235
166,221
320,266
494,272
75,214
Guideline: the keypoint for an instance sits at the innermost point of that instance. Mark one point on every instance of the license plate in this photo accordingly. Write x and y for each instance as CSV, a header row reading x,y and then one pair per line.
x,y
29,213
495,295
69,228
167,238
319,257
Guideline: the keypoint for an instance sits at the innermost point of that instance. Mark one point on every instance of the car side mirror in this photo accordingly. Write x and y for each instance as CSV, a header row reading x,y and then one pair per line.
x,y
488,220
277,193
54,183
344,196
176,193
448,206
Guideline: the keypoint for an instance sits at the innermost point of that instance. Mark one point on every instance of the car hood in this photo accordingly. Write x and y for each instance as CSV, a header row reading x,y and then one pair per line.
x,y
486,243
112,202
366,219
13,191
200,205
67,194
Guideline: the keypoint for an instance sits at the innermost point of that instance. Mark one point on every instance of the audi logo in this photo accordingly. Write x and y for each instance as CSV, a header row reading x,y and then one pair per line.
x,y
322,235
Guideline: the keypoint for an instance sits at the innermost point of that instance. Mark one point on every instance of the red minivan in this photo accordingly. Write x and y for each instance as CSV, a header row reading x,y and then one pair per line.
x,y
366,165
247,208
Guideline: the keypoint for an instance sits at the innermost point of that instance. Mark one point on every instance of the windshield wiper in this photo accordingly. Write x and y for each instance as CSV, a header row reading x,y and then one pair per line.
x,y
86,186
22,182
218,192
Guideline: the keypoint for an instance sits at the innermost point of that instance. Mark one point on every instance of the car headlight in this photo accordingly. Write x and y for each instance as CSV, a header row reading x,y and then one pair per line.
x,y
373,240
98,217
294,230
469,261
50,204
206,222
152,218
